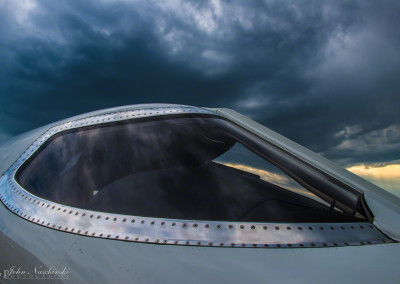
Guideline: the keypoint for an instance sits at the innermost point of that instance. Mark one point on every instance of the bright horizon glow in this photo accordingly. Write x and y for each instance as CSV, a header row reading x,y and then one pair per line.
x,y
277,179
386,176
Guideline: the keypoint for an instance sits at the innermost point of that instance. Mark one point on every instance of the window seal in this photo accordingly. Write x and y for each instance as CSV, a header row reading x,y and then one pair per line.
x,y
169,231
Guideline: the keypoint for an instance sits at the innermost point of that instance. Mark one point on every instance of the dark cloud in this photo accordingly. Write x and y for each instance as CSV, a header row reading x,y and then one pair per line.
x,y
323,74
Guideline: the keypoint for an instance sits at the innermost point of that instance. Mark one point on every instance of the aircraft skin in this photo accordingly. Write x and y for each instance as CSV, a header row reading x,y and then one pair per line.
x,y
88,259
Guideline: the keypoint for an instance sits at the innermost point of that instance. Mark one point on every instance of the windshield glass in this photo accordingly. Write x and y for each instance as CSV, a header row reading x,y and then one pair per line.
x,y
200,168
243,159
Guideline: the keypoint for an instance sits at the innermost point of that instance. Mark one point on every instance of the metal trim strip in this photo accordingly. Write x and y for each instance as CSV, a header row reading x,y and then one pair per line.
x,y
169,231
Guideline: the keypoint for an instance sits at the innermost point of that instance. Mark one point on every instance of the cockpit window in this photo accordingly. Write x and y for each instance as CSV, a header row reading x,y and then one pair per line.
x,y
182,167
241,158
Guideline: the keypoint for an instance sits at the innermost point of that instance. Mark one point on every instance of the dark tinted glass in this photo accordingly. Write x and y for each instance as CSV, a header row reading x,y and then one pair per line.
x,y
164,167
243,159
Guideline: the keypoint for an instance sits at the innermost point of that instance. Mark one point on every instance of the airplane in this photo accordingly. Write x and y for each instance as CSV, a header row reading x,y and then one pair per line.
x,y
161,193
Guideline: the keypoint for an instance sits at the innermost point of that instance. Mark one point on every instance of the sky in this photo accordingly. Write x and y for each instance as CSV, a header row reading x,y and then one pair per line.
x,y
322,73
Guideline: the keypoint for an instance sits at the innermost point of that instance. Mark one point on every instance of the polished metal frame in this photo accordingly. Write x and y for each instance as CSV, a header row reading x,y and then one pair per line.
x,y
169,231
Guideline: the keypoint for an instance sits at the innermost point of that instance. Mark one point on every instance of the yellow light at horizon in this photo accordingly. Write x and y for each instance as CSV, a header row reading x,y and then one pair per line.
x,y
388,172
274,178
386,177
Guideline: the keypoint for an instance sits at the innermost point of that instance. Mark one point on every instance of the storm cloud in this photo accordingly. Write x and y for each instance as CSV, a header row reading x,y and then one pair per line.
x,y
325,74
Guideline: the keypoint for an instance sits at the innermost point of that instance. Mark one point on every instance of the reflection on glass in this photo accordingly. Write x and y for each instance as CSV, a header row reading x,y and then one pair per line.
x,y
170,168
241,158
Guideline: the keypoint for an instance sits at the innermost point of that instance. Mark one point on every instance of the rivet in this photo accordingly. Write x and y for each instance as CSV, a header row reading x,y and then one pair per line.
x,y
133,221
162,223
230,227
115,219
288,228
206,225
152,223
70,212
310,228
143,222
79,231
276,227
126,238
101,235
124,220
253,227
218,226
332,228
241,226
195,225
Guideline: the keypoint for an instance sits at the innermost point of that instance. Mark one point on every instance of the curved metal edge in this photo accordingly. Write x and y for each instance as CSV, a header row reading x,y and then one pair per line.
x,y
169,231
384,206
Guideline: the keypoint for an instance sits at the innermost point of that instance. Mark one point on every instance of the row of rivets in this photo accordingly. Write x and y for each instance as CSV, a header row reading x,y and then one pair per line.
x,y
131,114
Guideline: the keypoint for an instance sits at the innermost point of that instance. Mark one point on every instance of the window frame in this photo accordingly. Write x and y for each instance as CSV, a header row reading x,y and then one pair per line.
x,y
169,231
